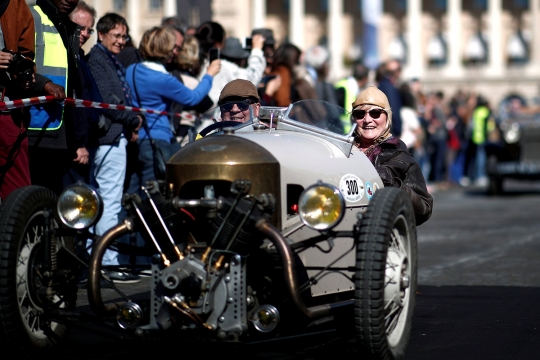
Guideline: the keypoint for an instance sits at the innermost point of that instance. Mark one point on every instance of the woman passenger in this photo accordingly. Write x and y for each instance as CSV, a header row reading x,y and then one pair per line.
x,y
389,155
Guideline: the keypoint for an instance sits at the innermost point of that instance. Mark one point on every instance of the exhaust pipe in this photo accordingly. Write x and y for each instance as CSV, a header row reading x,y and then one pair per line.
x,y
287,259
94,269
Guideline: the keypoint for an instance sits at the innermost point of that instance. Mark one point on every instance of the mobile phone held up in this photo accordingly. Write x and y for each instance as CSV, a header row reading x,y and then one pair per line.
x,y
213,54
248,43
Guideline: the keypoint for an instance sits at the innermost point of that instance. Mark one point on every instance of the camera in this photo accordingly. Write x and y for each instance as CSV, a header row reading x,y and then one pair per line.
x,y
20,68
248,43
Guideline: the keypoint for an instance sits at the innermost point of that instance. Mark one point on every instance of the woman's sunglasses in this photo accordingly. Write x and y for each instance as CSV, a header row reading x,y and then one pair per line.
x,y
242,105
374,113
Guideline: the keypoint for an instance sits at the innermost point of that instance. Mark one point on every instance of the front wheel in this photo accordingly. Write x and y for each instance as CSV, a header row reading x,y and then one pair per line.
x,y
385,280
30,285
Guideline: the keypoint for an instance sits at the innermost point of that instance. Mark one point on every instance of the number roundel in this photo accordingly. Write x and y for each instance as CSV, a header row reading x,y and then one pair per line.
x,y
351,187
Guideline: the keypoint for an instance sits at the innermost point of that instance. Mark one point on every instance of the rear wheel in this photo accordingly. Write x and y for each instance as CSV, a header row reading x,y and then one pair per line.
x,y
386,266
28,290
495,181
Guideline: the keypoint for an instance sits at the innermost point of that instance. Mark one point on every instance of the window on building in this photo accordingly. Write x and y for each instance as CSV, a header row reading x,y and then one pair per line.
x,y
156,5
517,49
437,51
119,5
476,50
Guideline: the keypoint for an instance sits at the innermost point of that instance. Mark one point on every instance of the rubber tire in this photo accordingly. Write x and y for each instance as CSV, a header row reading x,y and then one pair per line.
x,y
23,208
495,181
495,185
389,210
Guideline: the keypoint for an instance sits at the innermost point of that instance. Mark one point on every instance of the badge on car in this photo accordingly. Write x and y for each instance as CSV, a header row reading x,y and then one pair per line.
x,y
351,187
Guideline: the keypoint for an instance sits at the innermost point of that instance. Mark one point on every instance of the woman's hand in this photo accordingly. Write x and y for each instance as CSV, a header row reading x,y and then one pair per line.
x,y
82,156
214,67
257,42
134,136
272,86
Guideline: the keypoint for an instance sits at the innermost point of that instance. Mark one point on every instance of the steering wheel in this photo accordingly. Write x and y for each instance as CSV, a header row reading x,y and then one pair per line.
x,y
218,125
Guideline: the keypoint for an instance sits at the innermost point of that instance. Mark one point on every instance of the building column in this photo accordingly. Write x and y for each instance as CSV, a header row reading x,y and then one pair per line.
x,y
169,8
454,67
335,41
534,46
258,14
100,8
414,66
133,19
296,23
495,48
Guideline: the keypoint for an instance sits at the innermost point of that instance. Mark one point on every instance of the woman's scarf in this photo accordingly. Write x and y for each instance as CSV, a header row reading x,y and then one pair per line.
x,y
376,149
120,72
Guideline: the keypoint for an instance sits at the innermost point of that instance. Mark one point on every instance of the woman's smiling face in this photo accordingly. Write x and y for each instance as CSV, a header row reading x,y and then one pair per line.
x,y
370,127
114,40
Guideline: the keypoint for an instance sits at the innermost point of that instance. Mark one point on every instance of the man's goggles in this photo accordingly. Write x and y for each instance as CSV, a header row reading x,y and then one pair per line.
x,y
242,105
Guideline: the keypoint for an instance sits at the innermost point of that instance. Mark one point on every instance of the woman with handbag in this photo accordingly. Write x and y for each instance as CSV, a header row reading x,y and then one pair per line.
x,y
154,88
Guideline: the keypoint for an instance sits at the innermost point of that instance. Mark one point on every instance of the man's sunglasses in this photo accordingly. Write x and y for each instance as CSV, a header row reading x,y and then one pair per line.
x,y
374,113
242,105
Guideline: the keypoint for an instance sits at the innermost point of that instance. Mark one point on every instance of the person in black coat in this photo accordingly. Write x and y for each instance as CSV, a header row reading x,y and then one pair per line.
x,y
387,79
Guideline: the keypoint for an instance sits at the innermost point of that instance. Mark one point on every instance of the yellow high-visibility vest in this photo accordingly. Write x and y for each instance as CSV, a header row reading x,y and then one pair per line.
x,y
351,88
52,62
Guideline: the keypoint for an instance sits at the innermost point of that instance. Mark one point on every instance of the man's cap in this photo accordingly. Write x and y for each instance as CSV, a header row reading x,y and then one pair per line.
x,y
372,96
233,49
268,35
238,88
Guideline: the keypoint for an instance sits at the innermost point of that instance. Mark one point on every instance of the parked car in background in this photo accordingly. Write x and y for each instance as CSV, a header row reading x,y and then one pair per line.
x,y
516,154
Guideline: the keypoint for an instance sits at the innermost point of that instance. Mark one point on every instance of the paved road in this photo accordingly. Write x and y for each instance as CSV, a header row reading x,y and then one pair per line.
x,y
479,288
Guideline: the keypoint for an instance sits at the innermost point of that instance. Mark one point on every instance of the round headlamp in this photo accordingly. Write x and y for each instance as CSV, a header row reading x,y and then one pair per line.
x,y
321,206
79,206
512,133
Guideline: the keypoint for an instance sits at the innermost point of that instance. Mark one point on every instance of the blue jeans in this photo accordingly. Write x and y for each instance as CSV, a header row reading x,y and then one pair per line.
x,y
107,174
143,171
480,162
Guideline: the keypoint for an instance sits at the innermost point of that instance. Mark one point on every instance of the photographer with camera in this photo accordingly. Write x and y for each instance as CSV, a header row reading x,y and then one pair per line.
x,y
16,78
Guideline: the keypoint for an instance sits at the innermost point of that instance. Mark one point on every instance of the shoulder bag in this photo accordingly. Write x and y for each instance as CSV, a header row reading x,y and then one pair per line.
x,y
161,153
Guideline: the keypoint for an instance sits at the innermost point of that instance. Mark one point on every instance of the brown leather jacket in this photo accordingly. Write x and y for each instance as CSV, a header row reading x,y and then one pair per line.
x,y
394,156
18,28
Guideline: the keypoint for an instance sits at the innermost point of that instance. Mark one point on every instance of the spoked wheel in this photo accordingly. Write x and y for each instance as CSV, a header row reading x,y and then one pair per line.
x,y
28,291
386,265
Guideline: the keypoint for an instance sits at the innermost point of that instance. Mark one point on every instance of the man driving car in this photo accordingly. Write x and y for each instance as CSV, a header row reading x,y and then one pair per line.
x,y
236,99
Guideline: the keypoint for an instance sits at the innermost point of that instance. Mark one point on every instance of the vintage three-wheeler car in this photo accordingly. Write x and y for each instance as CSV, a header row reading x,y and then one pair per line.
x,y
265,229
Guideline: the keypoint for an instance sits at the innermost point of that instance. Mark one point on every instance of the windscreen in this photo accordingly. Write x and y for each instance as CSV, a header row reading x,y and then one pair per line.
x,y
321,114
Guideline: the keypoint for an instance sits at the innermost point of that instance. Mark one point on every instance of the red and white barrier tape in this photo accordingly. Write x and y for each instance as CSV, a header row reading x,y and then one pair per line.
x,y
8,105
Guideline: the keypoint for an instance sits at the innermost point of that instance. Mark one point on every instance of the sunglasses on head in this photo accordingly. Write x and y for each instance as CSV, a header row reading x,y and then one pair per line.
x,y
374,113
242,105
